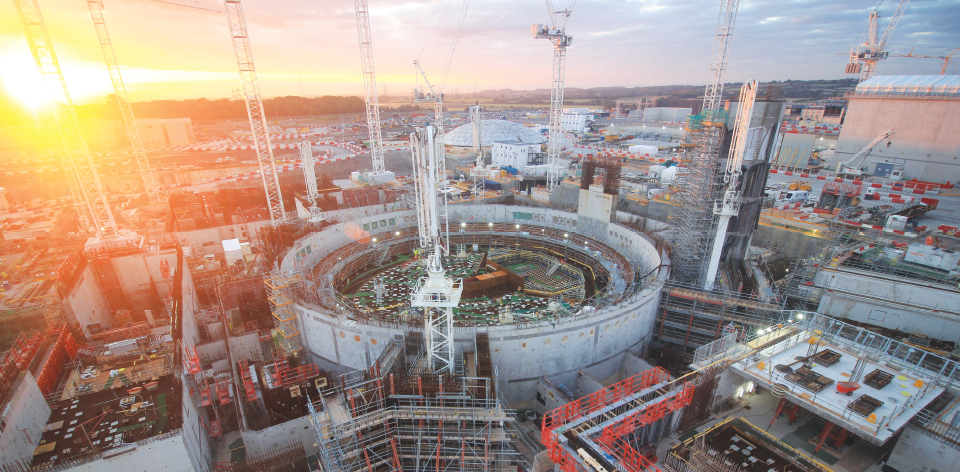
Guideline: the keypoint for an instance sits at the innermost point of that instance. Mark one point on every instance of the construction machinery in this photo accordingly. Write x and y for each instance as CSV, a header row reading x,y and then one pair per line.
x,y
120,92
479,171
81,171
437,294
946,59
730,205
798,185
851,167
696,180
370,89
864,57
556,32
254,102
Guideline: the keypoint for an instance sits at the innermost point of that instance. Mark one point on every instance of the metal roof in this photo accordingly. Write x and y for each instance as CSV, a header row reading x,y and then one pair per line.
x,y
911,85
494,131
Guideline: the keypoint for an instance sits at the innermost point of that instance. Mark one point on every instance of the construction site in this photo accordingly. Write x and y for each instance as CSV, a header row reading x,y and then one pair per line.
x,y
735,284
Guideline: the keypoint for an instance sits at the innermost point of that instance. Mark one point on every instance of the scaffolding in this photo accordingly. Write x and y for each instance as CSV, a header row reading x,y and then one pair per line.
x,y
285,319
699,183
396,416
690,318
618,427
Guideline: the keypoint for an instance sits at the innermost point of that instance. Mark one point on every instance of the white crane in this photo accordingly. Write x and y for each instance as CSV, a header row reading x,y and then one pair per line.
x,y
370,86
864,57
852,166
258,118
82,177
120,91
556,32
730,205
437,294
721,51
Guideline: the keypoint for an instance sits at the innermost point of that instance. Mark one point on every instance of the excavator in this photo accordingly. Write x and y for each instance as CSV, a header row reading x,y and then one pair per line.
x,y
799,185
849,167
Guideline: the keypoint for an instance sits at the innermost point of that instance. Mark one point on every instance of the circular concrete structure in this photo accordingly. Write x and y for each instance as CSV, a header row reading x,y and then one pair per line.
x,y
341,335
493,131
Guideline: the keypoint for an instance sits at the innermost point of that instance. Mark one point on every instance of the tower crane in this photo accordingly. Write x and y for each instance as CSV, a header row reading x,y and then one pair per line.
x,y
864,57
437,293
556,32
370,86
851,166
721,51
82,177
946,59
120,91
428,94
254,102
730,205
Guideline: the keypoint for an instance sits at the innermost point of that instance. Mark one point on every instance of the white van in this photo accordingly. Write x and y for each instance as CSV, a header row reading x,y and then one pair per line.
x,y
794,196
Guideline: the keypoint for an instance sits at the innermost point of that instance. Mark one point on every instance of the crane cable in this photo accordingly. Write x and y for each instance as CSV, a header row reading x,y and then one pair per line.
x,y
453,45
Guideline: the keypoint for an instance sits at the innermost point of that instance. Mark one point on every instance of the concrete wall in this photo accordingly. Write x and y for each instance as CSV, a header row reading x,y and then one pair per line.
x,y
548,397
916,451
245,347
632,365
169,454
138,270
891,302
86,304
586,384
522,356
927,139
297,430
23,419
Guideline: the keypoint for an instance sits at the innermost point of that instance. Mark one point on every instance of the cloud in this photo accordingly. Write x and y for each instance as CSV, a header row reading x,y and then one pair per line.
x,y
616,42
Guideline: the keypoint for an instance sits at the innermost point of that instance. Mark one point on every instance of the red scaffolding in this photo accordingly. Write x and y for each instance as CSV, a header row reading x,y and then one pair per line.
x,y
223,389
203,388
138,330
248,387
64,349
612,437
286,376
191,359
24,349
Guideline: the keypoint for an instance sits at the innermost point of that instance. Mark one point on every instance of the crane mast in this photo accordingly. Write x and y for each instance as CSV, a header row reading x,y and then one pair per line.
x,y
721,51
730,205
82,177
437,294
254,102
694,224
864,61
120,91
370,86
556,33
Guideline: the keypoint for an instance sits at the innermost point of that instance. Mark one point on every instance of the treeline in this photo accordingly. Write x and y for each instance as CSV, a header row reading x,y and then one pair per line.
x,y
202,109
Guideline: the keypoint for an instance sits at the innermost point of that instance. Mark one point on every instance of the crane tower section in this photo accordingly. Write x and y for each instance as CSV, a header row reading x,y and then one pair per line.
x,y
370,86
258,119
721,52
699,177
120,91
82,177
556,33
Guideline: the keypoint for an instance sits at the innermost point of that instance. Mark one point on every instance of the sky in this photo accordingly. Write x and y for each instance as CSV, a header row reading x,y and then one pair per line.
x,y
310,47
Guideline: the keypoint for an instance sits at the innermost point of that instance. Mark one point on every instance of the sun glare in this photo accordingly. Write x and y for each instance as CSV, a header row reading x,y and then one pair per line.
x,y
22,81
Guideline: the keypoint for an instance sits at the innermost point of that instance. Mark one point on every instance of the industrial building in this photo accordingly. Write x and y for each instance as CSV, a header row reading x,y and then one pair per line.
x,y
920,109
